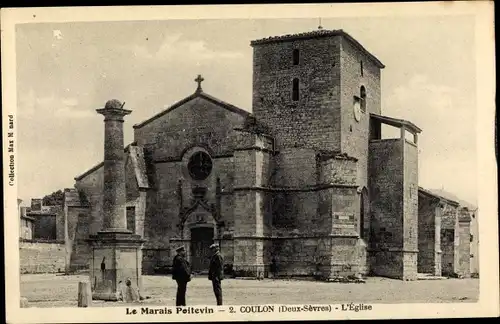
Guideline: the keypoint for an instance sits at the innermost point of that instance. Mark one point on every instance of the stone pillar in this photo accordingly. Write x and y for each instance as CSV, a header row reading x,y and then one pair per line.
x,y
429,234
251,222
464,239
114,219
393,170
116,252
449,239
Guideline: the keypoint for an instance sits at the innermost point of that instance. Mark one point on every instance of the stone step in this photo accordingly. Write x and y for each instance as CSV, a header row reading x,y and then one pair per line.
x,y
426,276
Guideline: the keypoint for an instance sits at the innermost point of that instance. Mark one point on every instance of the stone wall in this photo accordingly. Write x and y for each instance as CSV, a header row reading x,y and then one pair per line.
x,y
337,170
295,167
162,212
348,257
78,249
464,244
464,250
45,227
386,190
394,195
314,120
355,134
449,240
410,210
296,210
26,228
386,187
325,219
252,205
42,257
91,187
296,256
429,238
474,245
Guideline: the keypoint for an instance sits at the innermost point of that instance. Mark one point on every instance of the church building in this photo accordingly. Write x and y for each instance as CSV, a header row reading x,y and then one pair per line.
x,y
305,179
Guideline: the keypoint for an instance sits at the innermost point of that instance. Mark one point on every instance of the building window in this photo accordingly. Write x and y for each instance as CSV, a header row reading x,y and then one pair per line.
x,y
295,90
296,57
362,95
361,67
200,165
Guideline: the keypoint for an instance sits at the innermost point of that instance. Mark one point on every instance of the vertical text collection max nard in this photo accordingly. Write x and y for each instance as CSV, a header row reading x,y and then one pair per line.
x,y
10,149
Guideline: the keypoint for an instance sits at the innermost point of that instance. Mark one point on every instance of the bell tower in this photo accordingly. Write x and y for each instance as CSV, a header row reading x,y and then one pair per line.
x,y
317,90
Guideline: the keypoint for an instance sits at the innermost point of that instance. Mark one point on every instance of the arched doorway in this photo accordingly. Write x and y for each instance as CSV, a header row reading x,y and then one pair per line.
x,y
201,239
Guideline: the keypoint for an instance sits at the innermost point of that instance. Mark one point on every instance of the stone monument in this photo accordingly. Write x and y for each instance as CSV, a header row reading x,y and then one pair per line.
x,y
116,251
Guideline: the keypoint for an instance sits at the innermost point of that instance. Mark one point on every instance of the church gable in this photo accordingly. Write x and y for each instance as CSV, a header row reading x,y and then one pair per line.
x,y
199,120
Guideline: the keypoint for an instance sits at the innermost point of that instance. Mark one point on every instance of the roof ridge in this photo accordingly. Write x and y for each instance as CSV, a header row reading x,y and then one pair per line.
x,y
288,36
320,33
431,193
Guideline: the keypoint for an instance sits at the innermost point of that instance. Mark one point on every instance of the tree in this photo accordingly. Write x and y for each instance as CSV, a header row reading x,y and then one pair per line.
x,y
54,199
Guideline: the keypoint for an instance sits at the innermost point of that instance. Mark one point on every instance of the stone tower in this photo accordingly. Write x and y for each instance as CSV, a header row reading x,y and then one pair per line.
x,y
306,87
319,92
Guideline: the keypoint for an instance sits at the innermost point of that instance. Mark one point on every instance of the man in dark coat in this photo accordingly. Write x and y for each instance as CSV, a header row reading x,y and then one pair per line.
x,y
181,273
216,272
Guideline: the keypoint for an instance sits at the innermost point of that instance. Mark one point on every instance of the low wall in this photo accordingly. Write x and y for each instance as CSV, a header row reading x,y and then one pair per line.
x,y
42,256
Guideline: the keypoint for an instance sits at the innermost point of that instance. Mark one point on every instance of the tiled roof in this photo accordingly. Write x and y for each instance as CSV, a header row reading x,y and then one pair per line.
x,y
317,34
453,197
440,197
89,171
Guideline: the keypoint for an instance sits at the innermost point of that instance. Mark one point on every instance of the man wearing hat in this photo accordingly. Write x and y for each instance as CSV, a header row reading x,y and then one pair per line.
x,y
216,272
181,273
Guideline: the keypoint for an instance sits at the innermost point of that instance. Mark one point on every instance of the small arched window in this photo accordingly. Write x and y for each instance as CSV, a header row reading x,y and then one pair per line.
x,y
295,89
296,56
362,95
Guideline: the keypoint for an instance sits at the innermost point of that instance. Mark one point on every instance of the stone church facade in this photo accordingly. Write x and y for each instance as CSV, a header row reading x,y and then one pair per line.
x,y
305,179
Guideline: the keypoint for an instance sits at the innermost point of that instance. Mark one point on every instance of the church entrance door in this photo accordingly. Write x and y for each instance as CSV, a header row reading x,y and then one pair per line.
x,y
201,239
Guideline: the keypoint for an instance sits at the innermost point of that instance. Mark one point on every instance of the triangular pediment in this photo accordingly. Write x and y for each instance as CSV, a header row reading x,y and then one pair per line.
x,y
200,96
200,212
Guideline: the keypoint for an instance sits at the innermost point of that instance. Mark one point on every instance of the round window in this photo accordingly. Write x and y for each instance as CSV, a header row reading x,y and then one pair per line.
x,y
200,165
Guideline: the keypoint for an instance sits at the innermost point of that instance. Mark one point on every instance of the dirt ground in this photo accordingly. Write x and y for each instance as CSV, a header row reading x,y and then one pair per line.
x,y
50,290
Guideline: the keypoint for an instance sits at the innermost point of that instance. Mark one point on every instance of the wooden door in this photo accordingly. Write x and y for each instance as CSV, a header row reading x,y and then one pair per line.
x,y
201,239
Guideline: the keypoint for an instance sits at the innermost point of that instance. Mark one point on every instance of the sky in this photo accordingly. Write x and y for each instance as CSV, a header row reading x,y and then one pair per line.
x,y
67,70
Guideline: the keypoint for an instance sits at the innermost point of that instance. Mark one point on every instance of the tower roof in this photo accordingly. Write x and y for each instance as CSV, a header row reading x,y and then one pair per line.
x,y
317,34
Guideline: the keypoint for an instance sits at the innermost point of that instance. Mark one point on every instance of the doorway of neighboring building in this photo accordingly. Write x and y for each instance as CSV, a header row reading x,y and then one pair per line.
x,y
201,239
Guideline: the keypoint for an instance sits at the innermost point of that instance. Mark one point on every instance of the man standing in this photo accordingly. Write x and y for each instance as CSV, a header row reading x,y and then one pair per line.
x,y
216,272
181,273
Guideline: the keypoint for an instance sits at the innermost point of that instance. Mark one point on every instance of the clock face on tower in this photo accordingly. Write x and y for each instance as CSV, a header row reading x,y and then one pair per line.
x,y
357,110
200,166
